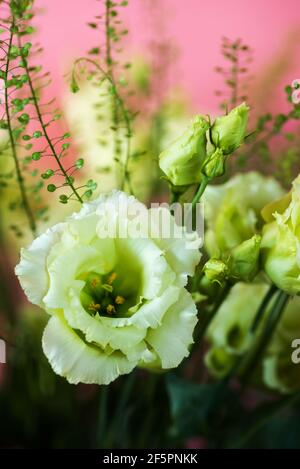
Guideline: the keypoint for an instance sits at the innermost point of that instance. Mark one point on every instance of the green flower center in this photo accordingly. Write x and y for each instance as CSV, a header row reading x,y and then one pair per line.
x,y
101,295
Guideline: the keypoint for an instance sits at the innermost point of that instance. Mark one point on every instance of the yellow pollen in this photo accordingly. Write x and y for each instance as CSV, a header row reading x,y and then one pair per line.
x,y
111,309
112,278
119,300
95,282
94,307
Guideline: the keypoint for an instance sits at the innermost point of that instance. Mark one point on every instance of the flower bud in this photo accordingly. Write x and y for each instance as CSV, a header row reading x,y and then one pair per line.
x,y
216,271
281,245
228,132
244,259
215,165
182,161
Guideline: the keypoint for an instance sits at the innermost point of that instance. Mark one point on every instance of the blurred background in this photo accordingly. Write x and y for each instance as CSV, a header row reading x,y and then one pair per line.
x,y
179,66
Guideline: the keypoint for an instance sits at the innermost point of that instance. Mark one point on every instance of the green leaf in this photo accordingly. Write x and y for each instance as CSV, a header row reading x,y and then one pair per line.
x,y
24,118
79,163
91,184
51,188
36,156
63,199
190,405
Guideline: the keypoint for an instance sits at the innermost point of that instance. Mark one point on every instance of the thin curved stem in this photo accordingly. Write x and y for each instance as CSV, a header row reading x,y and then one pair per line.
x,y
20,179
200,191
44,127
126,178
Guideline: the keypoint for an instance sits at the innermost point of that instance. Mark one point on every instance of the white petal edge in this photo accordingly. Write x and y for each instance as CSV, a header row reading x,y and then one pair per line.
x,y
31,270
78,362
172,339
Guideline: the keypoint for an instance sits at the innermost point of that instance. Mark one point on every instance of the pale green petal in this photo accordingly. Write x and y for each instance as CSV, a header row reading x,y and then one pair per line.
x,y
148,260
233,210
152,313
229,329
97,330
64,270
219,361
180,248
172,339
31,270
78,362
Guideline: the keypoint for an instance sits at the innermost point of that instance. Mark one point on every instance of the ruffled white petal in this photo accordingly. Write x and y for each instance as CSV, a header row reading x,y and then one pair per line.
x,y
31,270
98,331
181,249
172,339
78,362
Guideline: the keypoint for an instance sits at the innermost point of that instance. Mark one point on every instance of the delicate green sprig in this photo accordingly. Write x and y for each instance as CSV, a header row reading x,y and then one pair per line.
x,y
272,128
238,55
38,140
111,70
12,121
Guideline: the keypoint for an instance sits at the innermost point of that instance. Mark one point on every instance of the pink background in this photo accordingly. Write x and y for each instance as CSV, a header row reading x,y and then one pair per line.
x,y
270,27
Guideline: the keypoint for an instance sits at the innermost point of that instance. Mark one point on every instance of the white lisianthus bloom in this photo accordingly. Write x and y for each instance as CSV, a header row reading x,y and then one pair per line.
x,y
116,301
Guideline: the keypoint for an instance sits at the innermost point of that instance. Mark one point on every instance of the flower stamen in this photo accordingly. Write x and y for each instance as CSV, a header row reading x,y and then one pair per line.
x,y
112,277
111,309
94,307
120,300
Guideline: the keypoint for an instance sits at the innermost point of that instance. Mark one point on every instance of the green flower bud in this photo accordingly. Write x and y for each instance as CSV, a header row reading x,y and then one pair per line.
x,y
228,132
215,164
216,271
244,259
281,245
182,161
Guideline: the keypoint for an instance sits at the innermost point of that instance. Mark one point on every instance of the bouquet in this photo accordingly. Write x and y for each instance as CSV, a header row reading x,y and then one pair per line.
x,y
159,266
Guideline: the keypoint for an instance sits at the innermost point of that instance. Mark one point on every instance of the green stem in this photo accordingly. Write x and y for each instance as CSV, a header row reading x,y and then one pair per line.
x,y
108,59
200,191
272,322
20,179
235,77
44,128
262,308
115,433
271,411
102,422
124,112
211,314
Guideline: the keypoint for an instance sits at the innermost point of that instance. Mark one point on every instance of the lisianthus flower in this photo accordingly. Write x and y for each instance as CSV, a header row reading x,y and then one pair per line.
x,y
232,210
279,371
116,301
281,243
228,333
228,337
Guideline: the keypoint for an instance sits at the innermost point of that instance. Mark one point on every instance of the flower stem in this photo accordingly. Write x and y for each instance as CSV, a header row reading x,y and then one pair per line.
x,y
43,126
20,179
200,191
124,112
272,322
